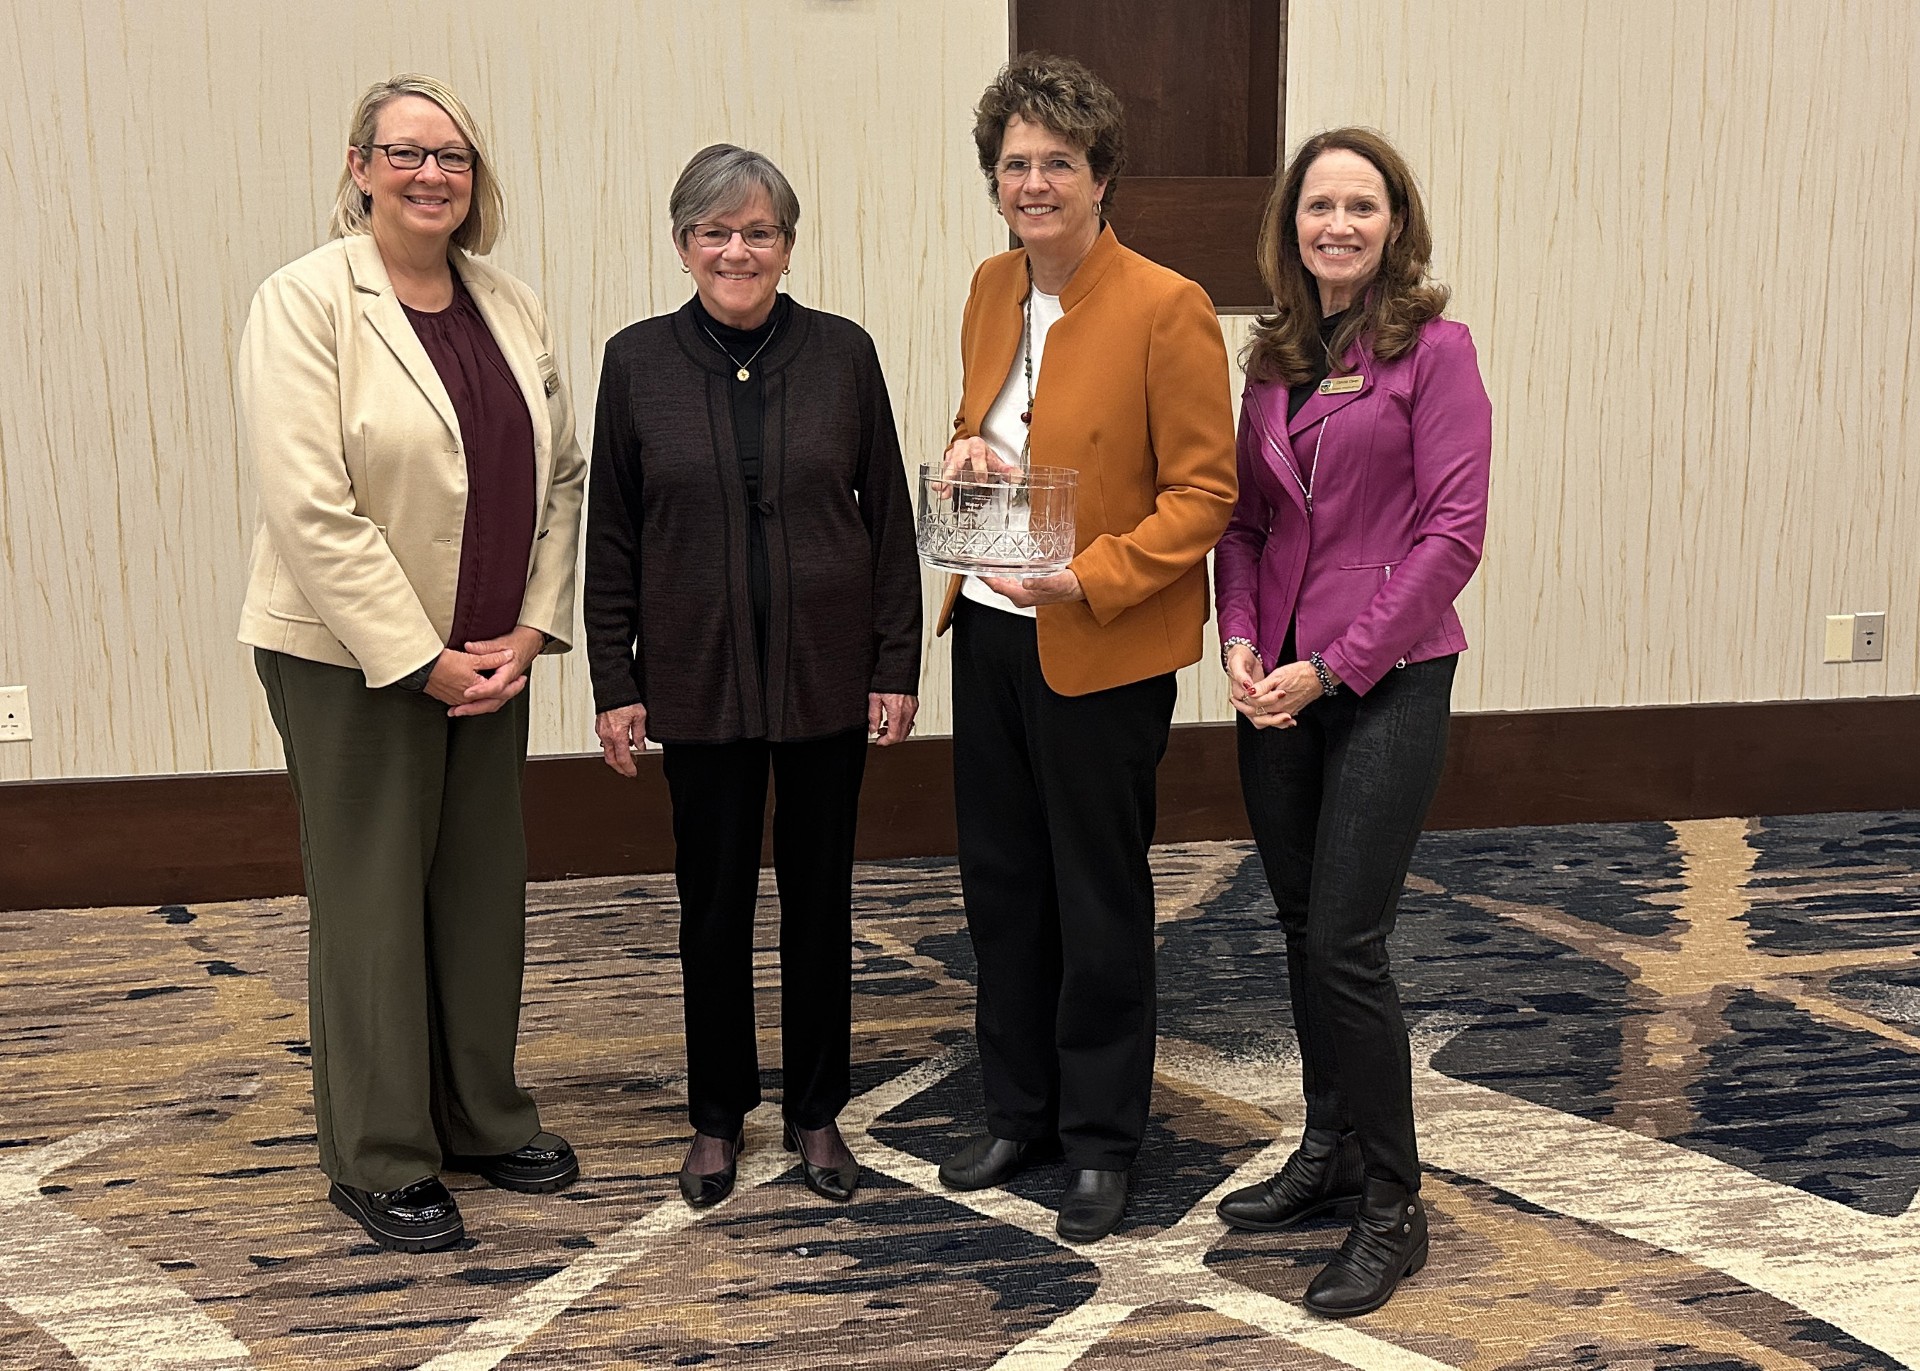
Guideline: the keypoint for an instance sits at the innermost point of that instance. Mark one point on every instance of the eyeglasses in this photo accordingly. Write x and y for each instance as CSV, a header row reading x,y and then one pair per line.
x,y
759,237
407,157
1053,171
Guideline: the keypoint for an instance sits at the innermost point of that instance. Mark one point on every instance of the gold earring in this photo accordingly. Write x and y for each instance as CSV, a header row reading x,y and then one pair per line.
x,y
685,269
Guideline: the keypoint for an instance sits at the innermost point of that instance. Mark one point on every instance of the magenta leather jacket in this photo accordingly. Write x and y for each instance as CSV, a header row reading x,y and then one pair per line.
x,y
1399,512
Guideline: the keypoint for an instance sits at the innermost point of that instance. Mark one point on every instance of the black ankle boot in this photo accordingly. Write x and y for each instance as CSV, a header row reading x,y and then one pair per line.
x,y
1322,1176
1388,1242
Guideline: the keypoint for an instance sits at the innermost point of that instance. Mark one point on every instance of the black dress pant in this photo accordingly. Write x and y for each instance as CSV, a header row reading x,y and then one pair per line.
x,y
1055,800
719,793
1336,805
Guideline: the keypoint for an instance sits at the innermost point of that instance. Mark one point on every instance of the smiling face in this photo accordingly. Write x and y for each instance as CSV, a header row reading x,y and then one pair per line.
x,y
426,203
1344,222
1052,218
737,284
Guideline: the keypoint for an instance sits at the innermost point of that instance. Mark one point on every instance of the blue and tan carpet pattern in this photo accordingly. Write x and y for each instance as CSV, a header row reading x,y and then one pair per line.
x,y
1668,1080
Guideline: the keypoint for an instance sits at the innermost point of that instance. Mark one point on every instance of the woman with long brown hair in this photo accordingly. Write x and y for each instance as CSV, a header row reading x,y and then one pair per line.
x,y
1363,455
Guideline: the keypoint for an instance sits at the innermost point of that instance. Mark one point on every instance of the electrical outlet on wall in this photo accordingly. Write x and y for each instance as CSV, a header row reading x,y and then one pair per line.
x,y
1856,637
1839,638
1869,637
16,725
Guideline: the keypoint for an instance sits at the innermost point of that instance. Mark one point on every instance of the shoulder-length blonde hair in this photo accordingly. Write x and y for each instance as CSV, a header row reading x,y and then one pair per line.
x,y
352,207
1400,298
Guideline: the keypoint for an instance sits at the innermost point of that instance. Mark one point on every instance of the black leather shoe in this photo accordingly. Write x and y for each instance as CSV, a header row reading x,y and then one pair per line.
x,y
1387,1243
543,1166
988,1161
703,1188
1323,1176
835,1183
1092,1205
419,1217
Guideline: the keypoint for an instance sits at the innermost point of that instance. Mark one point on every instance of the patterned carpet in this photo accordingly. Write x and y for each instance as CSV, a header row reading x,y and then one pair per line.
x,y
1668,1080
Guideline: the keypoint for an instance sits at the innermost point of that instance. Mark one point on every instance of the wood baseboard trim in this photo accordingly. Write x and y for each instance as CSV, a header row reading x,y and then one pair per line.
x,y
179,839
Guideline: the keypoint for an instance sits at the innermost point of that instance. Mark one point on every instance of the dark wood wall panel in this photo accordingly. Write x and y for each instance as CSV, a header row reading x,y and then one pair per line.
x,y
1203,227
1172,66
180,839
1204,83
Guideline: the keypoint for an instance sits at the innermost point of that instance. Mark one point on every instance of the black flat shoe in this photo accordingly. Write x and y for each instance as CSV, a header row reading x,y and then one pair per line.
x,y
418,1217
988,1161
703,1188
1387,1243
835,1183
541,1167
1323,1176
1092,1205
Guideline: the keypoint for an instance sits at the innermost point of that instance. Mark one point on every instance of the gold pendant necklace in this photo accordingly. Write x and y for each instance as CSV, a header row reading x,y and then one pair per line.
x,y
744,373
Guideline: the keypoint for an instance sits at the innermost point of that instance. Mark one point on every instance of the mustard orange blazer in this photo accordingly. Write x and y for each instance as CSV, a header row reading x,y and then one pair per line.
x,y
1133,394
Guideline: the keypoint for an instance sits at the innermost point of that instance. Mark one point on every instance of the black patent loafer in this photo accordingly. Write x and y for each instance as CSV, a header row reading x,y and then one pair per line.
x,y
1092,1205
420,1217
702,1189
1323,1176
545,1165
1387,1243
836,1183
988,1161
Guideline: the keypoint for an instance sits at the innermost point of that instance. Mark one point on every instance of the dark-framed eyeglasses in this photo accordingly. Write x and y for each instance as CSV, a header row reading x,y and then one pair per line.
x,y
759,237
411,157
1053,170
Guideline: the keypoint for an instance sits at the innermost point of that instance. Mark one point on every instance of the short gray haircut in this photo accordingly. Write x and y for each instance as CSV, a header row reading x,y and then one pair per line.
x,y
721,178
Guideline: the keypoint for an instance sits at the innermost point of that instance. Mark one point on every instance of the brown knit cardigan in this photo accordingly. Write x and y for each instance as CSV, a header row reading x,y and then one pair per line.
x,y
668,606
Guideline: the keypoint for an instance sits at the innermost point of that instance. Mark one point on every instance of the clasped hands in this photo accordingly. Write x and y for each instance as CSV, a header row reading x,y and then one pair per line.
x,y
972,457
1274,699
487,674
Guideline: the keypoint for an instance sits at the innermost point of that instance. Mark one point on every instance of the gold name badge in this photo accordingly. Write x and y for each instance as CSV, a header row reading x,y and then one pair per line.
x,y
1341,385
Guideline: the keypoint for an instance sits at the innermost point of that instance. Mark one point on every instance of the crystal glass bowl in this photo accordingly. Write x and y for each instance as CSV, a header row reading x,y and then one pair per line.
x,y
1017,524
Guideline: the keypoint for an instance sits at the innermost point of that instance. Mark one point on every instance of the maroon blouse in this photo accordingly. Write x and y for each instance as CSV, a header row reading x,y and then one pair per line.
x,y
497,432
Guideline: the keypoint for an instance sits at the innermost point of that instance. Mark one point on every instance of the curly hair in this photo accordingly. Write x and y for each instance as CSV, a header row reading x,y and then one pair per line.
x,y
1400,298
1067,98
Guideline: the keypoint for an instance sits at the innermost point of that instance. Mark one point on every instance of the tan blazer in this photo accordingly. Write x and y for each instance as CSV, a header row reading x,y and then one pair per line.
x,y
1135,395
363,481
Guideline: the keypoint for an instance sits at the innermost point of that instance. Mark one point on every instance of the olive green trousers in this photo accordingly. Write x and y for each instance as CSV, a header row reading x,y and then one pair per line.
x,y
416,871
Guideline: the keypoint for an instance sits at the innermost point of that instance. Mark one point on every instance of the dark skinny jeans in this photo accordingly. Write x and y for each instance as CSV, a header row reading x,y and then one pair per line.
x,y
1336,804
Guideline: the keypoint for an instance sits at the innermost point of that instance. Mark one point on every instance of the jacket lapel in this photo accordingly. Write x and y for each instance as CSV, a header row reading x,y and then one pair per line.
x,y
389,320
516,342
1320,405
1002,324
1266,408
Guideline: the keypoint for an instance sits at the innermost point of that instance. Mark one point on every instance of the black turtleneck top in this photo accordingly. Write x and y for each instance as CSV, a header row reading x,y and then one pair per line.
x,y
1322,365
741,347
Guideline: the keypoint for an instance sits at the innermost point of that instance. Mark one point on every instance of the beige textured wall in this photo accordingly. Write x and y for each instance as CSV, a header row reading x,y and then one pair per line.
x,y
1684,236
162,159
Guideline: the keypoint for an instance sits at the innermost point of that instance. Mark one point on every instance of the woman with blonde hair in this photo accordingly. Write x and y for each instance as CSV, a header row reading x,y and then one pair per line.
x,y
1364,447
420,489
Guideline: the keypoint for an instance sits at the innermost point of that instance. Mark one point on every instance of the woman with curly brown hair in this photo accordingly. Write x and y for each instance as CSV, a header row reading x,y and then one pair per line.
x,y
1084,355
1364,447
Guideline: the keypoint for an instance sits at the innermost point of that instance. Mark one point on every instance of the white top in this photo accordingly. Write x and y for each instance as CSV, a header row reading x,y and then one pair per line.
x,y
1004,432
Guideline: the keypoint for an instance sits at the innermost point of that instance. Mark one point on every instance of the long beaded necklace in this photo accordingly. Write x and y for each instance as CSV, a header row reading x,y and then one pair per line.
x,y
745,373
1026,415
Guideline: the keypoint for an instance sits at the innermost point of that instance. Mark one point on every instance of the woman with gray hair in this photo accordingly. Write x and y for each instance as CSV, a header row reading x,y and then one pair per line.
x,y
752,603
